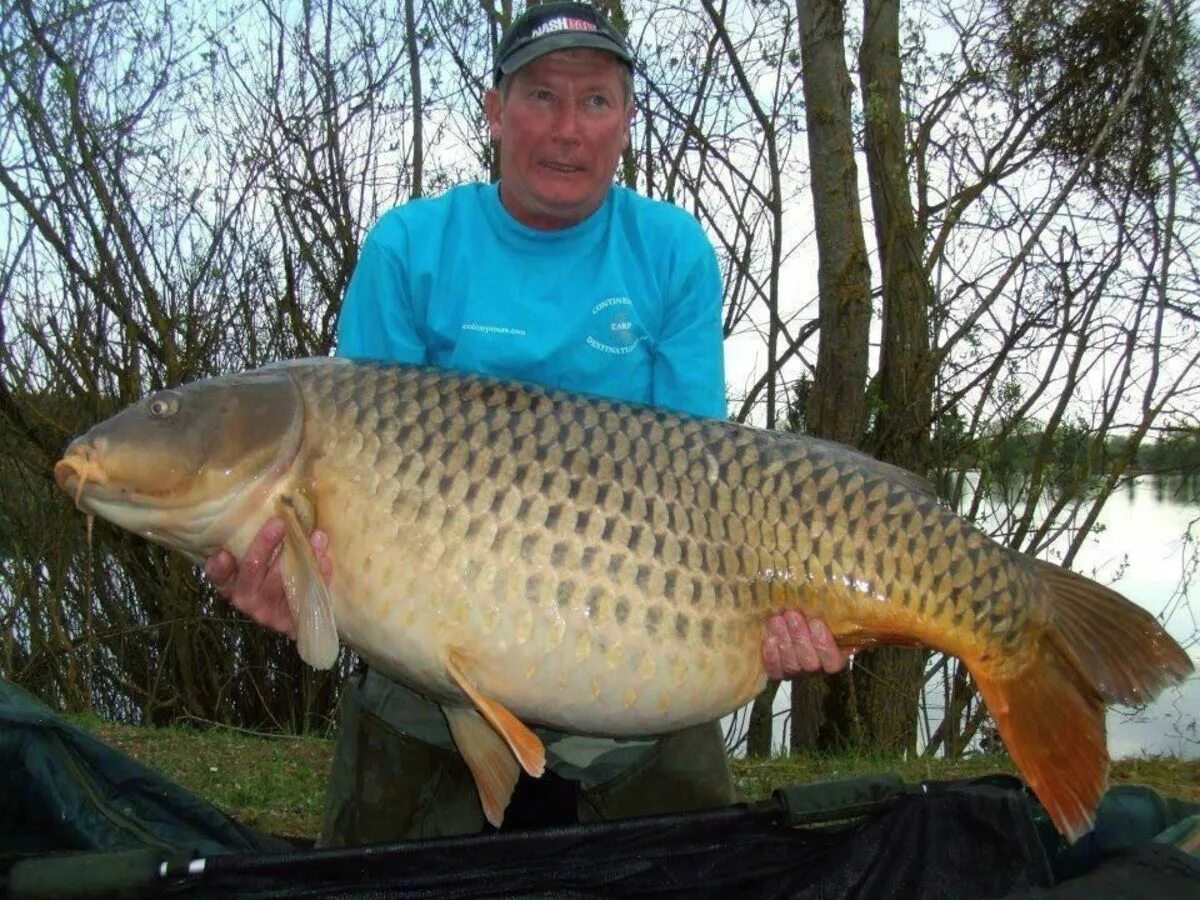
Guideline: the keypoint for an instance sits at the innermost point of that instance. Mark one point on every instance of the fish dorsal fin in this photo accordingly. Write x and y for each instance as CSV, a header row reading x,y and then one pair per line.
x,y
308,595
524,744
492,764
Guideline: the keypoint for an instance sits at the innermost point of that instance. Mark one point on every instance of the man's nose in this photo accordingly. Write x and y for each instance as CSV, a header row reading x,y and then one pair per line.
x,y
566,124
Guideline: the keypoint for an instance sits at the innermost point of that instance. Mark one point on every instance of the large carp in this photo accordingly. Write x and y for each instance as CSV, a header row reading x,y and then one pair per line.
x,y
531,556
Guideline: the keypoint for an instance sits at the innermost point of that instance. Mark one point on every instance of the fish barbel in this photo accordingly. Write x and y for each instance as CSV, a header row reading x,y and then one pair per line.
x,y
523,555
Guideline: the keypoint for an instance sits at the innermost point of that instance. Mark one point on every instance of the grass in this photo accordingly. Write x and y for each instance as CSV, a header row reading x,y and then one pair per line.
x,y
277,784
756,778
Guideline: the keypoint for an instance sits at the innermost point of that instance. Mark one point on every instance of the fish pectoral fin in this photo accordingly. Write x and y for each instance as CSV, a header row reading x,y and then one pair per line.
x,y
524,744
308,595
492,764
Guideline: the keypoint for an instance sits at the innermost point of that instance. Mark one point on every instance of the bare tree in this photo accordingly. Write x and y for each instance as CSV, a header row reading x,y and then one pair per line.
x,y
185,189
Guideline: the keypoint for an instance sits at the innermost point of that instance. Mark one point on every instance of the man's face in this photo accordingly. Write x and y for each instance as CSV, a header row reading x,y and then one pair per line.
x,y
561,130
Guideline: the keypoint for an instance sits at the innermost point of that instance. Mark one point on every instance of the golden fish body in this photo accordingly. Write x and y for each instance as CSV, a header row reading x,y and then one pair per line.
x,y
523,555
575,546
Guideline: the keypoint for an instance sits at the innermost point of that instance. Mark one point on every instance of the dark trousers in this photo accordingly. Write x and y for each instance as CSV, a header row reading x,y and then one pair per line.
x,y
387,785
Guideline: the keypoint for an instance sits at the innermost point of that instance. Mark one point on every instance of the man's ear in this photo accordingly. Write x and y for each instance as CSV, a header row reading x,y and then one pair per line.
x,y
493,106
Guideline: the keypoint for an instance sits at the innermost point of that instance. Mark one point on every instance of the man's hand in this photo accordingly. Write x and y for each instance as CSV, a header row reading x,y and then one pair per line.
x,y
794,645
256,587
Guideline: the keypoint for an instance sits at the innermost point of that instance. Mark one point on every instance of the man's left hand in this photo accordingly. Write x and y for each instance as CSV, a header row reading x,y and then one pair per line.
x,y
796,645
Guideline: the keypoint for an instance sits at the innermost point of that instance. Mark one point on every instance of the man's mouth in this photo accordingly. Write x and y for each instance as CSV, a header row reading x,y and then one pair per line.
x,y
563,168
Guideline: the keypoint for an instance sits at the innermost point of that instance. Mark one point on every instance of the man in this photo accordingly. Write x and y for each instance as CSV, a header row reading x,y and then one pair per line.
x,y
554,276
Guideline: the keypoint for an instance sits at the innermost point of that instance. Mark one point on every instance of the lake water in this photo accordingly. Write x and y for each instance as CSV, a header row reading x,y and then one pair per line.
x,y
1141,551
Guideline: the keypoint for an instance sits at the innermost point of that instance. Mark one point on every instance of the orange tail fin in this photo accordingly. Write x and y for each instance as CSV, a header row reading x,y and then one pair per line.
x,y
1053,727
1098,648
1121,649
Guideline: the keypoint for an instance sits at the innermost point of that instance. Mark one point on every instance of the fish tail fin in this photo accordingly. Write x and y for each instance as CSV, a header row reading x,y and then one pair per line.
x,y
1053,727
1120,647
1098,648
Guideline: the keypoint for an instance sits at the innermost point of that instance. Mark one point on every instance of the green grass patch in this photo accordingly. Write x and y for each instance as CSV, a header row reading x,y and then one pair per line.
x,y
277,784
756,778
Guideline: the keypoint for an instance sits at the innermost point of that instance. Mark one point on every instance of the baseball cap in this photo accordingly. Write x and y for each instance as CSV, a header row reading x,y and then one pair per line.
x,y
548,27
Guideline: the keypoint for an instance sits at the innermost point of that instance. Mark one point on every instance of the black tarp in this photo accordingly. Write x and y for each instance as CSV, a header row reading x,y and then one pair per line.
x,y
870,838
65,790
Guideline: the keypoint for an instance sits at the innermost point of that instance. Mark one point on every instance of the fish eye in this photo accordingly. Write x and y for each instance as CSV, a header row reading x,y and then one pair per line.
x,y
163,405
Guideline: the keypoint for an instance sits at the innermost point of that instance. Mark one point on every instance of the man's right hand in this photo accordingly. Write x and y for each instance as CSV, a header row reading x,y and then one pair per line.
x,y
256,586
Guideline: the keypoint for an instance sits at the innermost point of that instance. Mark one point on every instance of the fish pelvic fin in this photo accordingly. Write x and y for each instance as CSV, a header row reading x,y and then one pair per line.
x,y
492,764
307,594
1120,647
525,745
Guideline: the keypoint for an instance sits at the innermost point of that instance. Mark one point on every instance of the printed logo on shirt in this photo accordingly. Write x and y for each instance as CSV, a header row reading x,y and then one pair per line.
x,y
493,329
614,327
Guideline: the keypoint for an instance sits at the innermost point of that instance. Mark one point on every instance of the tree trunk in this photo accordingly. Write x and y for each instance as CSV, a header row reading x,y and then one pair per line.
x,y
888,681
762,721
837,405
837,408
808,698
900,432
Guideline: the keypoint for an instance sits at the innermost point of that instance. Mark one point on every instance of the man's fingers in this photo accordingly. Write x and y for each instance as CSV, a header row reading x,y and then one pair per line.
x,y
794,645
771,660
258,590
272,608
789,661
219,569
805,654
832,657
258,556
254,585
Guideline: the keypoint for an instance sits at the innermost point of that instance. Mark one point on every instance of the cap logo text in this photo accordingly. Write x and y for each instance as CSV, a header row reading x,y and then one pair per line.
x,y
563,23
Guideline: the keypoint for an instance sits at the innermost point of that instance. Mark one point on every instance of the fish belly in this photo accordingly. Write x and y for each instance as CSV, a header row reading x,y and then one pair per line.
x,y
571,665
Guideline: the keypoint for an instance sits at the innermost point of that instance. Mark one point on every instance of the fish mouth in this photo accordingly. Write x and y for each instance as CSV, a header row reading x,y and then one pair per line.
x,y
78,471
82,475
73,473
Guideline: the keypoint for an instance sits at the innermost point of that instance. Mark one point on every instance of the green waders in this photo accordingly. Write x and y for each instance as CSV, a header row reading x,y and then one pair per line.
x,y
396,774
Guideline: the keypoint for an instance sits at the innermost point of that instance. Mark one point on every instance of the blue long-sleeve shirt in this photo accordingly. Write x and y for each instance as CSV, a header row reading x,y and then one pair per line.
x,y
625,304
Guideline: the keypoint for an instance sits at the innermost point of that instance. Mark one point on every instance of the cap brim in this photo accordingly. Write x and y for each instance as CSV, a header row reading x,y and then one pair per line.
x,y
552,42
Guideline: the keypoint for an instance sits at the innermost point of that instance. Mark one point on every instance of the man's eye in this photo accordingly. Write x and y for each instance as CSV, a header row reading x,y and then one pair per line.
x,y
599,101
542,95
